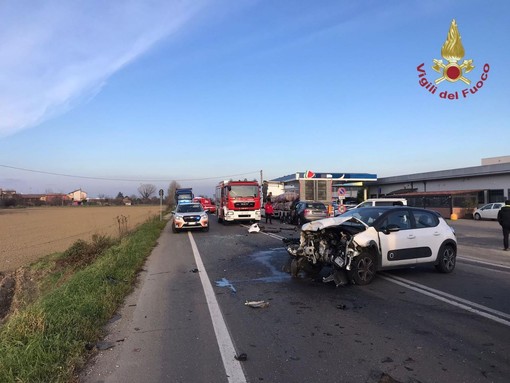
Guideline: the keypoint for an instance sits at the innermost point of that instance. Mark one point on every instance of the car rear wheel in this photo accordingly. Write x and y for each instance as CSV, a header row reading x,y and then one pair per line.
x,y
446,259
363,269
477,216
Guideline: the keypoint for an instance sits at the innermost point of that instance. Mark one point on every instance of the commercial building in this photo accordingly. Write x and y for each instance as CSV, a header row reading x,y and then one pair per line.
x,y
457,191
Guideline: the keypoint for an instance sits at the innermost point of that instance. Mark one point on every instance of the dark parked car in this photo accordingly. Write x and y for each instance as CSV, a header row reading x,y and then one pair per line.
x,y
307,211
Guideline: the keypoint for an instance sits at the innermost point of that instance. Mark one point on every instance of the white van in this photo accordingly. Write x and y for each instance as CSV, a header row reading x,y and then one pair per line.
x,y
383,202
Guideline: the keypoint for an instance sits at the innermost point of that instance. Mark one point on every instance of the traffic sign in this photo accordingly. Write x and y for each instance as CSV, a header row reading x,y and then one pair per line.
x,y
341,192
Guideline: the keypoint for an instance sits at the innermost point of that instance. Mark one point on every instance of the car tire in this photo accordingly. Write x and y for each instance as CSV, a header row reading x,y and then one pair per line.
x,y
446,259
174,229
477,217
363,269
206,228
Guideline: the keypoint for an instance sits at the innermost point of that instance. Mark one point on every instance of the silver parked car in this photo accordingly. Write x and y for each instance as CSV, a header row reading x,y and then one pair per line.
x,y
489,211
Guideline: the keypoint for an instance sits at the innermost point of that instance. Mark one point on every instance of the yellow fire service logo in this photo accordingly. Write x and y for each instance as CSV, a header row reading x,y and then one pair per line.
x,y
452,70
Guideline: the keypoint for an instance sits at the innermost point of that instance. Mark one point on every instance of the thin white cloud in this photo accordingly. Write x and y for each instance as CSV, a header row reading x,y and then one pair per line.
x,y
54,53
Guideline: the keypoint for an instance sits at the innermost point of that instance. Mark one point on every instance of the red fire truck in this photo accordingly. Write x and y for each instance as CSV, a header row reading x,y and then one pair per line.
x,y
238,201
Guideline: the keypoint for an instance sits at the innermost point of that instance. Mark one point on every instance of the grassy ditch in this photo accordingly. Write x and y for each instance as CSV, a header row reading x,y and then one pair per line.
x,y
45,340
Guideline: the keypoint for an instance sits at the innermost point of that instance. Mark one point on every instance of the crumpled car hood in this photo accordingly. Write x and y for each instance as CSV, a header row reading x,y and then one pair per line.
x,y
329,222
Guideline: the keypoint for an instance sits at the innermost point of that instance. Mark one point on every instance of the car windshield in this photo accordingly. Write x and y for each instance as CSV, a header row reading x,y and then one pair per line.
x,y
244,191
316,205
366,215
189,208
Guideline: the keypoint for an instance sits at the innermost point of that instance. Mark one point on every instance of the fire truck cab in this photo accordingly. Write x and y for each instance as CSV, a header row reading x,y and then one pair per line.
x,y
238,201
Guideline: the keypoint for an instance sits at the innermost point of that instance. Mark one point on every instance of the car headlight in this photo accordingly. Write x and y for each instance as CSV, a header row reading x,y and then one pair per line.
x,y
178,218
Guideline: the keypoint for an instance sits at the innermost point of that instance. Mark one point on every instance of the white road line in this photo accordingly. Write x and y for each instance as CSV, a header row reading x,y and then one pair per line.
x,y
464,304
475,260
233,368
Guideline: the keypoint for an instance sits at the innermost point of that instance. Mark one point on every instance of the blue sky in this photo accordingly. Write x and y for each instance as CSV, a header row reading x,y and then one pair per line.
x,y
117,94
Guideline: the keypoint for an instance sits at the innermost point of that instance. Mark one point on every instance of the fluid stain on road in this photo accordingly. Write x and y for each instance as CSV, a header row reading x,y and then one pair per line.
x,y
267,258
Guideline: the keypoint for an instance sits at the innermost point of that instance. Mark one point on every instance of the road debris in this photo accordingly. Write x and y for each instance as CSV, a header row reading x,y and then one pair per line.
x,y
254,228
257,304
241,357
267,229
193,271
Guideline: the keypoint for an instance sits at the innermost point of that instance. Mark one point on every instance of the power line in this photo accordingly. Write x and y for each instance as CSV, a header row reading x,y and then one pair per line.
x,y
124,179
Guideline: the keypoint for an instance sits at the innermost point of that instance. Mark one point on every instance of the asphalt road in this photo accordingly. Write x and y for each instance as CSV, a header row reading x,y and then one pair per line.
x,y
188,319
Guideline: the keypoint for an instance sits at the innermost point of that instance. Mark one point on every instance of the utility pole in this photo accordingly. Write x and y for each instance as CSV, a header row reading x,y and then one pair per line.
x,y
161,204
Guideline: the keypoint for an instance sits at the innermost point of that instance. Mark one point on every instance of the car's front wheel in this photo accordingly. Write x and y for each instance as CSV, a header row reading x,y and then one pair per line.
x,y
477,217
363,269
446,259
174,229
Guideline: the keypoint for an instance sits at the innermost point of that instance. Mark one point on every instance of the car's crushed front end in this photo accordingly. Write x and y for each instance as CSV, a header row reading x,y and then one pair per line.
x,y
338,243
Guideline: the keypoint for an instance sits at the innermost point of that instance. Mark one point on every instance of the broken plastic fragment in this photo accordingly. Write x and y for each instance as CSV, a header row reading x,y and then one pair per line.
x,y
241,357
257,304
254,228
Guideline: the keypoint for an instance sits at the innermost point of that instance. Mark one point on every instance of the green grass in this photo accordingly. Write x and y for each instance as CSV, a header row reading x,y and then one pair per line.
x,y
45,341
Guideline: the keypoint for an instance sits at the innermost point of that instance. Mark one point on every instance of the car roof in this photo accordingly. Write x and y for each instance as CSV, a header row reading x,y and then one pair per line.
x,y
396,207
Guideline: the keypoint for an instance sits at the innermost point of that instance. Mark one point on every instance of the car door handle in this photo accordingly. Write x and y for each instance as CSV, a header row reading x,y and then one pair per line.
x,y
411,236
436,233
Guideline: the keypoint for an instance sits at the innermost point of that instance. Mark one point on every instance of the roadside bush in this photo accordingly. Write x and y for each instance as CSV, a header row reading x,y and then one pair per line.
x,y
82,253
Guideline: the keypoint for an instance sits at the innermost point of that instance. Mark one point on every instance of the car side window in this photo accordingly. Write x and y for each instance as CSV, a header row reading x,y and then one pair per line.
x,y
400,219
487,207
425,219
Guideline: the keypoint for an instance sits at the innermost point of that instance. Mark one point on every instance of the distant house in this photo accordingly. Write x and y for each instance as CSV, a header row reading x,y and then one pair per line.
x,y
77,196
56,199
7,193
31,199
127,201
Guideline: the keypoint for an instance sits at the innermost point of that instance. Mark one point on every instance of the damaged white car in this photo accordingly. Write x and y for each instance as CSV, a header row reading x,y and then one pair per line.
x,y
358,243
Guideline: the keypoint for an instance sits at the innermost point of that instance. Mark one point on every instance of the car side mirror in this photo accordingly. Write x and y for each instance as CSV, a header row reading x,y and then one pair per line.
x,y
391,228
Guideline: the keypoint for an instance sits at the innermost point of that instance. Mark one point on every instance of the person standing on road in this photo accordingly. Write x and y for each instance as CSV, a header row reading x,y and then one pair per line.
x,y
504,221
269,211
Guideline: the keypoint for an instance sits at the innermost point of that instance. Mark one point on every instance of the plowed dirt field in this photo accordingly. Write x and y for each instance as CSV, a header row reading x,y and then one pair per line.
x,y
28,234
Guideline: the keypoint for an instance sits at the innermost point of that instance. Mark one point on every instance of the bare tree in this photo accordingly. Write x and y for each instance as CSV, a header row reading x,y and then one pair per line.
x,y
171,192
146,190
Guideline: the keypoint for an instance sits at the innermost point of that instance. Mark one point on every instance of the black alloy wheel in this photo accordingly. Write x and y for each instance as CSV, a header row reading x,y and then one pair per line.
x,y
446,259
363,269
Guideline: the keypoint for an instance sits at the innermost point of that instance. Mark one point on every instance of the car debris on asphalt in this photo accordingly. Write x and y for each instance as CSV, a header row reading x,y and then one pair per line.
x,y
257,304
241,357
